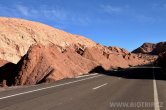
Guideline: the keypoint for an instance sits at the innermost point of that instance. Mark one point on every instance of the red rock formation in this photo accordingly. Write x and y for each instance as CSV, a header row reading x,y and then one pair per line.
x,y
98,55
45,64
113,58
51,63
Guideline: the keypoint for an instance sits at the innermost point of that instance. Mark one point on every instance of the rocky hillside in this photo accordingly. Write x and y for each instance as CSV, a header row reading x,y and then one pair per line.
x,y
150,48
17,35
118,50
51,63
45,54
44,64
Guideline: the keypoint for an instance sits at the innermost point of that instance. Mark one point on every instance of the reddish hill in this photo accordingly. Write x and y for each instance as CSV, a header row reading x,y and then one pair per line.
x,y
17,35
150,48
51,63
146,48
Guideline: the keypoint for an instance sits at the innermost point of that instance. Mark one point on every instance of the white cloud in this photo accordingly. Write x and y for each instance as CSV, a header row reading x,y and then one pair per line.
x,y
57,15
23,10
54,13
158,6
9,12
111,9
143,18
41,11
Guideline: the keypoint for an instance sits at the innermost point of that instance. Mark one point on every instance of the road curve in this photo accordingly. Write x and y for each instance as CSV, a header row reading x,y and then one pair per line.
x,y
130,89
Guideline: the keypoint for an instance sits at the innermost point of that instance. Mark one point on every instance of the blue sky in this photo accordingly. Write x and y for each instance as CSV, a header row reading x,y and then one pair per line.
x,y
123,23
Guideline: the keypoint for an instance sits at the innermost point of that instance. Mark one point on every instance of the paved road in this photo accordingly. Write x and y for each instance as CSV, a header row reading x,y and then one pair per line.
x,y
131,89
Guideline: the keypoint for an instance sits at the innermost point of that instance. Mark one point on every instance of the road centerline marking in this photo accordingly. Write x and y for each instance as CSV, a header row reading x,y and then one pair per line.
x,y
86,75
49,87
156,100
100,86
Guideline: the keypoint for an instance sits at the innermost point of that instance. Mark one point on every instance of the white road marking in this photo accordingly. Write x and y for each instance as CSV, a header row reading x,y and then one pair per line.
x,y
87,75
22,93
99,86
156,100
115,70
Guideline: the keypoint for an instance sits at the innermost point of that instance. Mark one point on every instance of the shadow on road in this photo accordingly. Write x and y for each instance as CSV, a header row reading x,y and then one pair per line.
x,y
141,72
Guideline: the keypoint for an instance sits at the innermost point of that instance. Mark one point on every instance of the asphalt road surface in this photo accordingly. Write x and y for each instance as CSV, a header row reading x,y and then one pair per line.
x,y
142,88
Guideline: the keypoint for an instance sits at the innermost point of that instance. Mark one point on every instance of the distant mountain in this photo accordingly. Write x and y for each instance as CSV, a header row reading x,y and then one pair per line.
x,y
151,48
146,48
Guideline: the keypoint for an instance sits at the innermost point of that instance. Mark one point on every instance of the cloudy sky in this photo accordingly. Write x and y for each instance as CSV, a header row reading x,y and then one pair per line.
x,y
123,23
